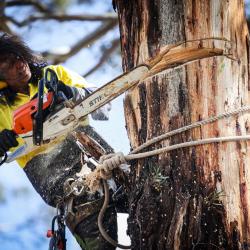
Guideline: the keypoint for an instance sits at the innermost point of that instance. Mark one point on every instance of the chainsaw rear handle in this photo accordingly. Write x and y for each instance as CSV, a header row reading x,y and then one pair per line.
x,y
38,116
30,117
51,80
51,83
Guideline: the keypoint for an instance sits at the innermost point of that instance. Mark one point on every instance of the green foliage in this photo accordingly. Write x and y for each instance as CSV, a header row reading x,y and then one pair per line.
x,y
214,198
158,178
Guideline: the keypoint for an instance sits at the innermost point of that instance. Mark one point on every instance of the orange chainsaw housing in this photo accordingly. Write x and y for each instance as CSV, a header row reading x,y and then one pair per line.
x,y
23,116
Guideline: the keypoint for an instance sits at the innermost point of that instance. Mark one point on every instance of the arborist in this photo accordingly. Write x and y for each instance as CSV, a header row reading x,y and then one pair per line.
x,y
50,165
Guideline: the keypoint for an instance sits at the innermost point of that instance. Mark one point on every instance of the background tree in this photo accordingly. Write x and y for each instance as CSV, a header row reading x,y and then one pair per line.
x,y
191,198
59,10
84,43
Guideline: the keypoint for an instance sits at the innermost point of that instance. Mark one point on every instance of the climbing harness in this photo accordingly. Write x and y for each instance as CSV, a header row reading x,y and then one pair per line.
x,y
94,175
103,170
57,236
75,187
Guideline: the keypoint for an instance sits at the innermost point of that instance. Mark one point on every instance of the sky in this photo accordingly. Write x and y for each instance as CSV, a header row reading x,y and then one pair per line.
x,y
23,214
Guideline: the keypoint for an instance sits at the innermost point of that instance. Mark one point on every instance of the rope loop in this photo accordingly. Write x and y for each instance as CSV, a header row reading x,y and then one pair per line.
x,y
104,171
112,161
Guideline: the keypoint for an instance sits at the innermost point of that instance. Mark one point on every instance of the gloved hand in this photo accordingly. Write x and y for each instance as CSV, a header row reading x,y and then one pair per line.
x,y
7,141
76,94
102,114
65,89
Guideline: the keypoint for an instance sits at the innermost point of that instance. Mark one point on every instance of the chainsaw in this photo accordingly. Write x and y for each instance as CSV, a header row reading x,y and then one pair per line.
x,y
41,120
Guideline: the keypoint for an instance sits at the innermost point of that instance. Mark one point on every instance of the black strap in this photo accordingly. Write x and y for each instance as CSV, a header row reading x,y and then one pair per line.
x,y
38,116
4,158
58,239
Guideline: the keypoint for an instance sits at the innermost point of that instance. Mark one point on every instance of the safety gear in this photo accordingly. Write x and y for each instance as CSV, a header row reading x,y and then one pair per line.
x,y
57,236
48,173
66,90
66,76
7,141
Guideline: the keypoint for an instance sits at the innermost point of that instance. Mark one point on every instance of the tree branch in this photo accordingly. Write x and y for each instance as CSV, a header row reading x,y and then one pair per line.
x,y
106,54
63,18
91,38
36,4
3,25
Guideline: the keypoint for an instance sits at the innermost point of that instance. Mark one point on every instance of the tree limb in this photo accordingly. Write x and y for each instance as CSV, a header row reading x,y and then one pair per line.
x,y
105,55
3,25
38,5
91,38
63,18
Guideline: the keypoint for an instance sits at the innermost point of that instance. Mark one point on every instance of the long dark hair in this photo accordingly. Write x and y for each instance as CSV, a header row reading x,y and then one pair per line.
x,y
13,45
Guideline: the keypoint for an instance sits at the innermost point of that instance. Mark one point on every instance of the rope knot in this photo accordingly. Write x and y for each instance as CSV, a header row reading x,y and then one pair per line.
x,y
110,162
104,170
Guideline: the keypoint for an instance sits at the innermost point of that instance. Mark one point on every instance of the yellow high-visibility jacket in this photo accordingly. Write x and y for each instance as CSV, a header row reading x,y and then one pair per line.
x,y
6,111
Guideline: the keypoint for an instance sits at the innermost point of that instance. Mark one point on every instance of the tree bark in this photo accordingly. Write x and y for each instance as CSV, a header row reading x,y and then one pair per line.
x,y
192,198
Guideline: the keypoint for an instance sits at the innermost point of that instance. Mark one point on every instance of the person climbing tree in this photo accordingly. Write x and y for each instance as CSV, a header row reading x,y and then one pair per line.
x,y
49,166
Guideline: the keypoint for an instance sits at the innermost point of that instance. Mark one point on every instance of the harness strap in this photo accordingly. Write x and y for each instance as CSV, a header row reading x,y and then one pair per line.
x,y
76,214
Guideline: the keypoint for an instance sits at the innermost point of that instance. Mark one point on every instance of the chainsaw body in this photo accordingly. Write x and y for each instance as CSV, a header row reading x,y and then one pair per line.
x,y
36,126
23,116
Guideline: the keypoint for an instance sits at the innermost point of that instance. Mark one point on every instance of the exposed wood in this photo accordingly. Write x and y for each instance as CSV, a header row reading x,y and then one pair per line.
x,y
92,146
174,55
191,198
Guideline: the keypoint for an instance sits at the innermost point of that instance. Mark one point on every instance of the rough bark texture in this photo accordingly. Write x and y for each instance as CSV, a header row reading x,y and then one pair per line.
x,y
203,201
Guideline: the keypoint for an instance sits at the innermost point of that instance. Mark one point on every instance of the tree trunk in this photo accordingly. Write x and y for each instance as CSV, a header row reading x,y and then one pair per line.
x,y
192,198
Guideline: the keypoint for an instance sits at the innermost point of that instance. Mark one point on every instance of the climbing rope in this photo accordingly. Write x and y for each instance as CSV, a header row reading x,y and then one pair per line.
x,y
101,215
112,161
104,170
191,126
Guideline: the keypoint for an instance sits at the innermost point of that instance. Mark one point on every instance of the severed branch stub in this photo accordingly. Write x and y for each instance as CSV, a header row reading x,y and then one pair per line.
x,y
92,146
170,57
181,53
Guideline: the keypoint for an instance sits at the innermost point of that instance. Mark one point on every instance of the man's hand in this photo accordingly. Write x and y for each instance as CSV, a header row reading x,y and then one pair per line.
x,y
70,92
7,141
65,89
102,114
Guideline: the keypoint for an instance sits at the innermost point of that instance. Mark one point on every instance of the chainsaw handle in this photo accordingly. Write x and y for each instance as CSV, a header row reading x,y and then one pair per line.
x,y
38,116
51,83
51,80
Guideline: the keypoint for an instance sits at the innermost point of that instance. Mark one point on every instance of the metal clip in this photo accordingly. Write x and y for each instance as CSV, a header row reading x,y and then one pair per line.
x,y
68,190
84,171
78,187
